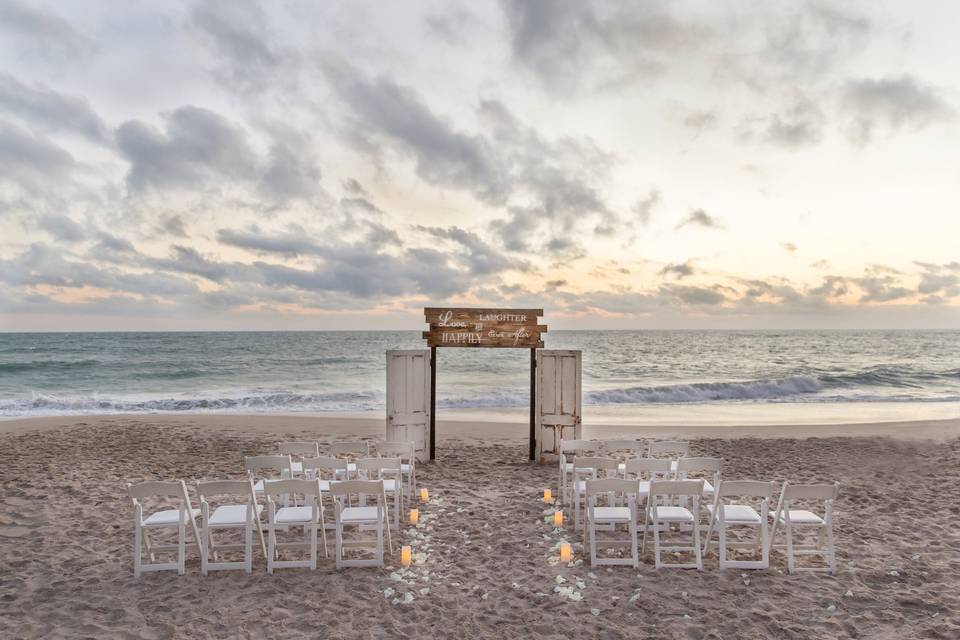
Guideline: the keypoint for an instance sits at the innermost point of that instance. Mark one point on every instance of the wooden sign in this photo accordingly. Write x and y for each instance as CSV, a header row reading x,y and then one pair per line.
x,y
502,328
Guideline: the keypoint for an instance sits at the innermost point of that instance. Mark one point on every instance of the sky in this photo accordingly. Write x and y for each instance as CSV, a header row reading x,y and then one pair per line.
x,y
340,165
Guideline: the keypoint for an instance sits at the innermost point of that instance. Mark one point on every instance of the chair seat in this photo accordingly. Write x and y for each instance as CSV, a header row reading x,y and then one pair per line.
x,y
568,467
289,515
643,488
167,517
405,467
296,468
802,516
673,514
324,485
580,486
359,514
611,514
707,488
390,485
738,513
230,514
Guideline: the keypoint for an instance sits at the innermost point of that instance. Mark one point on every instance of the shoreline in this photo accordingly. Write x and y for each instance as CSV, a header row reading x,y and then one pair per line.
x,y
474,428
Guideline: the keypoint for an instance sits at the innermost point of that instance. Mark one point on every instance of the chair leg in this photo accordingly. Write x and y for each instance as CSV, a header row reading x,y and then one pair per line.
x,y
656,544
338,552
380,526
181,548
313,546
765,542
248,548
696,545
831,550
271,548
722,530
205,537
137,549
788,530
633,543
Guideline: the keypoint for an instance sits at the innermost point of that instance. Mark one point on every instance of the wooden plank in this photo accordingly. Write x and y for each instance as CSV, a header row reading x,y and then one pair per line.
x,y
452,315
475,340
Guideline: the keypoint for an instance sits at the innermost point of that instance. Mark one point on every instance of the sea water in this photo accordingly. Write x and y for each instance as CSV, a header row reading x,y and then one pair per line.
x,y
633,372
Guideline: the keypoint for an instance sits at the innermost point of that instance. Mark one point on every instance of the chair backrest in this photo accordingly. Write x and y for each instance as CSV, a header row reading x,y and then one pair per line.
x,y
700,468
668,447
617,446
352,448
406,451
357,487
325,466
302,449
278,463
295,486
574,446
810,491
649,468
158,489
591,465
676,488
209,488
745,489
376,467
611,485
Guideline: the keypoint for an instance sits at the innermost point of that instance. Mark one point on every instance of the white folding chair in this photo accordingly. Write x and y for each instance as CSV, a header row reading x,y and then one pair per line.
x,y
568,450
643,471
732,508
407,452
280,467
350,451
803,521
388,470
710,469
309,516
589,468
176,518
621,508
297,452
245,516
622,448
672,449
661,514
361,517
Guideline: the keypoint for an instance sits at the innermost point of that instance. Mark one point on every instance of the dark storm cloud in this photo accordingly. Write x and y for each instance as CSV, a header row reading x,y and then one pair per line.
x,y
196,147
700,218
892,103
29,160
566,41
49,109
679,271
47,33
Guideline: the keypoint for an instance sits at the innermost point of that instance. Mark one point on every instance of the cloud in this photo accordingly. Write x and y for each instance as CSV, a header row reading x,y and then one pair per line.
x,y
801,124
680,270
292,169
293,243
700,218
47,33
237,32
62,228
565,42
196,149
31,161
479,257
645,206
50,110
941,279
894,103
881,289
789,247
688,295
701,121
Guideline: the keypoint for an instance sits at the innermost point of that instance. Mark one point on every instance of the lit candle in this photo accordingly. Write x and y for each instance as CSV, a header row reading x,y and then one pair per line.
x,y
565,552
424,494
405,556
414,516
558,518
547,495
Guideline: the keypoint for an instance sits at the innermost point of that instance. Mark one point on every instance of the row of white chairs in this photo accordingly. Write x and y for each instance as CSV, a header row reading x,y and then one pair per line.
x,y
292,485
677,506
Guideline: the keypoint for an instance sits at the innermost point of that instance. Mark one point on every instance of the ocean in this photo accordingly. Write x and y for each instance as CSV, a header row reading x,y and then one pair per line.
x,y
336,371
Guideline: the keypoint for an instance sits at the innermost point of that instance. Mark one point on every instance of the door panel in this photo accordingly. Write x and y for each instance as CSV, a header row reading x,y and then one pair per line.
x,y
408,399
558,403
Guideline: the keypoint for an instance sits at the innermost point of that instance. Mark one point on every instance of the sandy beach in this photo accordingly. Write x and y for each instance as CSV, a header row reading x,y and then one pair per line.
x,y
490,567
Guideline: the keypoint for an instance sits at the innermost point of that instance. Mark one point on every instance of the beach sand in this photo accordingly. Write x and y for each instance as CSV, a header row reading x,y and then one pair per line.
x,y
490,569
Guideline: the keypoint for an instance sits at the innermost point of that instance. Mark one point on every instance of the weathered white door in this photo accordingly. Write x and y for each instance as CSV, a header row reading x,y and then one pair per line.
x,y
557,408
408,399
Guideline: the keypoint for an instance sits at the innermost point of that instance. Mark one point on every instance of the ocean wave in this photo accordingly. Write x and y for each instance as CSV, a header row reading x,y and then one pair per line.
x,y
707,392
40,365
41,403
